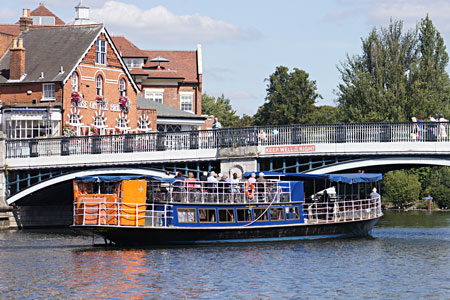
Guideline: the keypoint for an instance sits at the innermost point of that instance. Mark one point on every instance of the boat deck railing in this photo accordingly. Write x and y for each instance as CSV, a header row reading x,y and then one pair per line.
x,y
95,212
219,192
342,211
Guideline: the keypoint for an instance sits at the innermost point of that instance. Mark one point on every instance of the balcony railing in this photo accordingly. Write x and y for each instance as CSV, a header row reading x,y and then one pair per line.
x,y
231,137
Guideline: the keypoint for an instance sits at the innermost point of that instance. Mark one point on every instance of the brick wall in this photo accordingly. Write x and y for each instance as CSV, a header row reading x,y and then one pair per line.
x,y
18,93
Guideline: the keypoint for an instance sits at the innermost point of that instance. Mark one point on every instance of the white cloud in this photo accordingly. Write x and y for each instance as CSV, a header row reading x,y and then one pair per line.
x,y
160,24
8,15
241,94
378,13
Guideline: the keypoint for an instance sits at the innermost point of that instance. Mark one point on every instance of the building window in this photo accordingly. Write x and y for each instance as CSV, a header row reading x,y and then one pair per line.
x,y
49,91
26,129
74,82
187,102
155,95
99,121
123,87
74,119
169,128
100,52
134,63
99,82
143,122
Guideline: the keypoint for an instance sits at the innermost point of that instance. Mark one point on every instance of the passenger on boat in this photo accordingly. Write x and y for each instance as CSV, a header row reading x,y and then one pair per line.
x,y
235,189
261,187
212,186
226,187
252,178
203,180
178,187
374,195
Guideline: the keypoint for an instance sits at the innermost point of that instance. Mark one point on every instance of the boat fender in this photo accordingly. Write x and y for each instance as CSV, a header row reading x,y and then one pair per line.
x,y
252,188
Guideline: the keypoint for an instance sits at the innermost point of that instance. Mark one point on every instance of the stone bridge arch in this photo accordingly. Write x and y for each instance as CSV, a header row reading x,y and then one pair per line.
x,y
373,162
71,176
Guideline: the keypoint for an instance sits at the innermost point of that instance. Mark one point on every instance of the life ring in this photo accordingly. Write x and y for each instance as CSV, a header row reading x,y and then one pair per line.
x,y
252,187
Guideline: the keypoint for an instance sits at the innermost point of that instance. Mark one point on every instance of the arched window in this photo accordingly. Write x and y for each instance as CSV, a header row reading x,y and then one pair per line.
x,y
123,87
143,123
74,119
99,121
99,82
122,122
74,82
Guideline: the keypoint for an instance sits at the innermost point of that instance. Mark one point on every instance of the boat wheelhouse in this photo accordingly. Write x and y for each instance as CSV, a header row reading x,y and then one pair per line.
x,y
138,210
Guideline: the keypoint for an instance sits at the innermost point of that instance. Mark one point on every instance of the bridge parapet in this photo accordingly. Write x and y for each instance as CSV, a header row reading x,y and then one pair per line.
x,y
266,139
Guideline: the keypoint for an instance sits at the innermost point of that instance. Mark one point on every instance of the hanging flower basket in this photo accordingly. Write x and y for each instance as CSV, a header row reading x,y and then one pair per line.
x,y
100,99
94,130
69,130
75,98
124,103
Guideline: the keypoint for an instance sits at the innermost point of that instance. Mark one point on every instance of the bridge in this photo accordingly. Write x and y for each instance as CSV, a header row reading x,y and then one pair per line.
x,y
34,164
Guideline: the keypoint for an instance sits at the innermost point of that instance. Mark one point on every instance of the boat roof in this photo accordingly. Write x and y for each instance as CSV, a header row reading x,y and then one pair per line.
x,y
118,178
346,178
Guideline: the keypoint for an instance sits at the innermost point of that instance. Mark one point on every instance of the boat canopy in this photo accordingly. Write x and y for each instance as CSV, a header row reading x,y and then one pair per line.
x,y
345,178
118,178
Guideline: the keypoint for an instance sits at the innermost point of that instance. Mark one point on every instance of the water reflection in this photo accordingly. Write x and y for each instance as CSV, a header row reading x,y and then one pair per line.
x,y
407,257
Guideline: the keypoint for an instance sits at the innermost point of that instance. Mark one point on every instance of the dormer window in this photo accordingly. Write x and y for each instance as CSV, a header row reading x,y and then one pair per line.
x,y
134,62
100,52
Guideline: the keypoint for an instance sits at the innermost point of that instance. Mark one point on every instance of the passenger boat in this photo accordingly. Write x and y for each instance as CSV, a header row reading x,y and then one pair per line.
x,y
137,210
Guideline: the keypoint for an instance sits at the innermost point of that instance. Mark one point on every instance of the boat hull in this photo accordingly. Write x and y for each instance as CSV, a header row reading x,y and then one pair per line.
x,y
135,236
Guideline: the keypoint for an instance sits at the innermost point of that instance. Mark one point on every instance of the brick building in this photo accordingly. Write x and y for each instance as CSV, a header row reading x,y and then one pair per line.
x,y
170,82
46,64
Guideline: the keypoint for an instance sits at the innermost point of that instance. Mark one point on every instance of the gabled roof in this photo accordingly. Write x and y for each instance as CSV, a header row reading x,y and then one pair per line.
x,y
10,29
41,10
63,46
166,111
182,65
127,48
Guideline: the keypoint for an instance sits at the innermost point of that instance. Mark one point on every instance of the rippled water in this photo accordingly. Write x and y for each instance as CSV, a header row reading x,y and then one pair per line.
x,y
408,257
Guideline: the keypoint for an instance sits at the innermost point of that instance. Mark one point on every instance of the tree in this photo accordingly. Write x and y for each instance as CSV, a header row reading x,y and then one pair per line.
x,y
290,98
220,108
438,186
244,121
397,76
324,114
401,187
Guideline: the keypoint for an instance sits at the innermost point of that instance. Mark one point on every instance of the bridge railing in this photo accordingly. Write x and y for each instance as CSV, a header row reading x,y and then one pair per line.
x,y
230,137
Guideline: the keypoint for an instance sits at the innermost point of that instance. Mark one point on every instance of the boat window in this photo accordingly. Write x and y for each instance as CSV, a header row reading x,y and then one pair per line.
x,y
187,215
207,215
292,213
226,215
261,214
244,214
276,214
107,187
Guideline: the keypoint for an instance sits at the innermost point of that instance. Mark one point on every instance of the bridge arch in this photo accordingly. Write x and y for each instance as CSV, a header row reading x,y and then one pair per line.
x,y
71,176
363,163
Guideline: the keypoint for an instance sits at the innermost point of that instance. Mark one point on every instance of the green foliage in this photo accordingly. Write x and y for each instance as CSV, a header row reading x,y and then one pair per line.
x,y
244,121
401,188
324,115
397,76
438,186
220,108
290,98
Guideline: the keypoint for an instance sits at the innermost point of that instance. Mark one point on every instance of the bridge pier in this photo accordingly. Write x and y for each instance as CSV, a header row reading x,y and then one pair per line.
x,y
7,219
238,160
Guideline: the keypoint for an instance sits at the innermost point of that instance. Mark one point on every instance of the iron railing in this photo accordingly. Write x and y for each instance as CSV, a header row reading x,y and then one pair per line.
x,y
230,137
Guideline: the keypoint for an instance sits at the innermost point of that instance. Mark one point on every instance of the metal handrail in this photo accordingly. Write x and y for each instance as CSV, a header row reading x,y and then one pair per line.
x,y
231,137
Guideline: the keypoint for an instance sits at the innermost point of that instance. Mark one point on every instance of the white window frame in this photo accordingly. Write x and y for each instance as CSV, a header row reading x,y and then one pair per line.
x,y
74,82
134,62
189,100
48,92
99,85
100,52
156,95
99,121
123,87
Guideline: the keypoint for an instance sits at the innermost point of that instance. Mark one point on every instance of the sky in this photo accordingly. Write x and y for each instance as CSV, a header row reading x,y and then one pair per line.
x,y
244,41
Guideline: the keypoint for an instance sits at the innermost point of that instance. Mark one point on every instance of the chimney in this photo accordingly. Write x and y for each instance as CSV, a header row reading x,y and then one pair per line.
x,y
16,60
25,20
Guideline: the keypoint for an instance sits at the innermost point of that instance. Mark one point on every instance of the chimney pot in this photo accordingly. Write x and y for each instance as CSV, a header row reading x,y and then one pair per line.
x,y
25,21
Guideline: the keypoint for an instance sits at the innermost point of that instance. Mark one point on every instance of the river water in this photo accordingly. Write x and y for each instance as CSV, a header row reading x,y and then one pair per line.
x,y
407,257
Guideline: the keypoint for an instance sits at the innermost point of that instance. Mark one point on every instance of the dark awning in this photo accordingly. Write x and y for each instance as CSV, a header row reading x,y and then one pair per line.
x,y
346,178
119,178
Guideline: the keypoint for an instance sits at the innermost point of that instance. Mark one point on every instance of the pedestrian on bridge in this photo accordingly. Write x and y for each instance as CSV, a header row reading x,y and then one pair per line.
x,y
442,127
